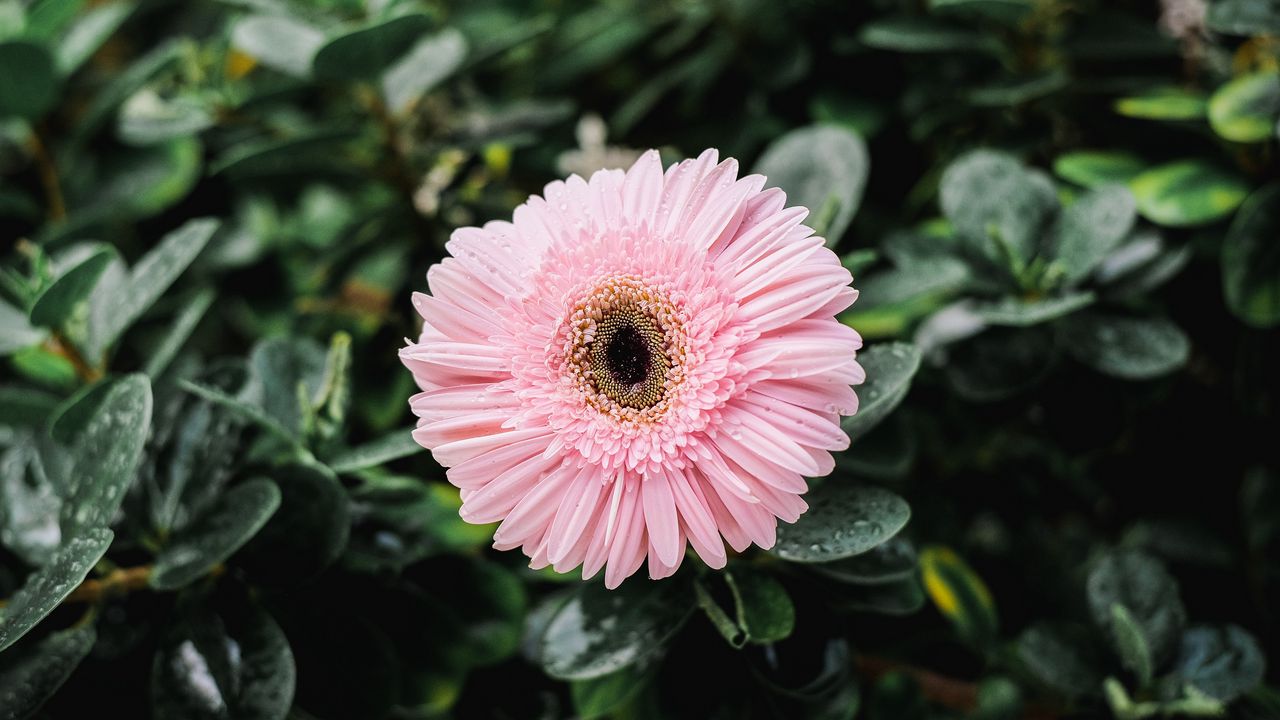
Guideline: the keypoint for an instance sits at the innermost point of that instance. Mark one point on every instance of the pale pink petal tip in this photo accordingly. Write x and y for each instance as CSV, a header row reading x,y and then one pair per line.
x,y
640,363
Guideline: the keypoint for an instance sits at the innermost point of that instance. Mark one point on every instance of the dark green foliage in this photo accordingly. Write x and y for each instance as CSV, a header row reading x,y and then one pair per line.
x,y
1061,497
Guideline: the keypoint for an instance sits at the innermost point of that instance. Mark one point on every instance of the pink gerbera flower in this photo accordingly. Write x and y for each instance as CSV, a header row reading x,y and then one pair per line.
x,y
635,362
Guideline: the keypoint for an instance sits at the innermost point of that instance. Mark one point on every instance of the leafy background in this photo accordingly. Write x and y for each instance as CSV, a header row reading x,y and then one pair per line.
x,y
1061,499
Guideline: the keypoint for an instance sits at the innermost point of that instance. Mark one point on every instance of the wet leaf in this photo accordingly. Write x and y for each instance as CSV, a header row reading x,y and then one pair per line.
x,y
1147,592
31,674
45,588
55,306
890,368
997,206
1126,347
818,165
1088,230
843,520
216,535
105,451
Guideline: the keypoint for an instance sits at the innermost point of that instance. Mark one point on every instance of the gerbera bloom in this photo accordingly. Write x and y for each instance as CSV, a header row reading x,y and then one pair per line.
x,y
635,362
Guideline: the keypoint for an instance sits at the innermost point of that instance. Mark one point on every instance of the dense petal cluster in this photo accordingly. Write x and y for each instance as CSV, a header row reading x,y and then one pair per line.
x,y
637,362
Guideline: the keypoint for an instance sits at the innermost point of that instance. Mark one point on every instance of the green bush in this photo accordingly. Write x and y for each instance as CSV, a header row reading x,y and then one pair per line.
x,y
1061,499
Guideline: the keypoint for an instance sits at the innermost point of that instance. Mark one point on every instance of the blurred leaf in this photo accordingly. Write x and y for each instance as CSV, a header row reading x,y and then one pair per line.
x,y
399,521
1244,17
608,695
1059,659
1130,348
281,43
924,35
31,674
179,332
1251,260
1088,229
246,410
1222,662
1131,644
45,588
308,532
900,597
88,33
1149,595
1164,104
363,53
601,631
285,375
280,156
1095,168
1015,312
25,407
890,562
153,274
55,306
16,331
816,165
147,118
997,205
889,368
223,665
1246,109
1000,362
1013,91
112,428
29,504
959,594
29,85
843,520
1002,10
378,452
1187,192
761,611
430,62
143,182
124,85
216,535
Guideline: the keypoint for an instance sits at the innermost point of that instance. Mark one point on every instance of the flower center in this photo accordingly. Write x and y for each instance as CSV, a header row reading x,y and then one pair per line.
x,y
628,361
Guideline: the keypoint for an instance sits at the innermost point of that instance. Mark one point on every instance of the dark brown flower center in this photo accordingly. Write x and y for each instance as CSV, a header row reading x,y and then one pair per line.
x,y
628,362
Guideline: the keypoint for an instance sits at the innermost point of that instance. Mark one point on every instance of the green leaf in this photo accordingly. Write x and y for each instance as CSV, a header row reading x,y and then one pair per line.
x,y
281,43
1012,91
148,119
890,368
762,611
45,588
216,535
817,165
25,407
147,181
88,33
1245,110
29,84
607,696
1001,362
924,35
897,598
246,410
192,310
122,86
997,205
600,631
433,60
1187,192
890,562
30,675
1095,168
959,594
378,452
363,53
1060,659
232,663
285,375
1131,644
307,534
280,156
16,331
1163,104
402,520
1222,662
1130,348
1148,593
153,275
105,451
1008,11
1015,312
1244,17
1251,260
29,504
1088,229
843,520
56,305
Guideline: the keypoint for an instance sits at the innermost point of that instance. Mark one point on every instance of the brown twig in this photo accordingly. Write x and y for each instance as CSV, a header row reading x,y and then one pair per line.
x,y
953,694
115,583
49,178
85,370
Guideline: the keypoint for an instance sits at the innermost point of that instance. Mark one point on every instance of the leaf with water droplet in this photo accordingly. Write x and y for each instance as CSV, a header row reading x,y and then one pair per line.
x,y
1131,348
843,520
890,562
600,631
822,167
217,534
31,674
890,368
1149,595
45,588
